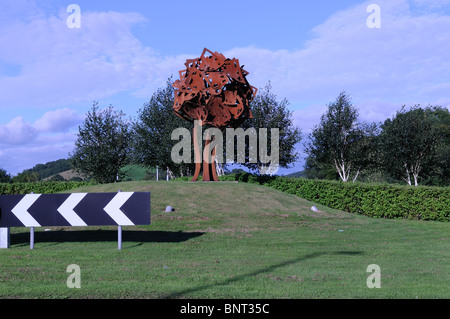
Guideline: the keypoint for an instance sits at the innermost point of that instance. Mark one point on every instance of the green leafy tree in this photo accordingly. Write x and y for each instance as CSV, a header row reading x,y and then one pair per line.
x,y
270,113
313,170
410,143
152,143
103,145
27,176
441,175
339,144
4,176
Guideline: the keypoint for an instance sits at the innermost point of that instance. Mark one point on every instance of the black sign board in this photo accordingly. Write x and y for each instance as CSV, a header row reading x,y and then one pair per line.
x,y
76,209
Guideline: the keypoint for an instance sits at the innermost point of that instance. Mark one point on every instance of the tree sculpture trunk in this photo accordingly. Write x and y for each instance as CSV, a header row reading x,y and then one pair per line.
x,y
206,162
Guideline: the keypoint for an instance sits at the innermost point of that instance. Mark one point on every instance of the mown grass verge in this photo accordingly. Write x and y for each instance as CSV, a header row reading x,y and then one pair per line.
x,y
230,240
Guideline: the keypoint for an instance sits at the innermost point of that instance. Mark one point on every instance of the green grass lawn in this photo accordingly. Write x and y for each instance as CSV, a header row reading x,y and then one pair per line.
x,y
230,240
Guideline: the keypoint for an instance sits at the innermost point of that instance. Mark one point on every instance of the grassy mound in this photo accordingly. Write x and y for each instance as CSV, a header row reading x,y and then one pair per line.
x,y
230,240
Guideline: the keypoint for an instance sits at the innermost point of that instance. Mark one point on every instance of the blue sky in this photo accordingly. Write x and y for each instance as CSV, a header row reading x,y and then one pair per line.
x,y
124,50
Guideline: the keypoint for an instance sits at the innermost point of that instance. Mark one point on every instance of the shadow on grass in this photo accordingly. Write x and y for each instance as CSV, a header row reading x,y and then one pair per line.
x,y
61,236
181,294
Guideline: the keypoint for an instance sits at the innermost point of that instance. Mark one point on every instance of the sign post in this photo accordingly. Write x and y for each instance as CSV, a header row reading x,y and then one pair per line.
x,y
31,237
119,237
4,237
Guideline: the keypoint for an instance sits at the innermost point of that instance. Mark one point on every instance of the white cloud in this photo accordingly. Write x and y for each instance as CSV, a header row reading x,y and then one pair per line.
x,y
50,137
406,61
403,58
432,3
60,65
58,121
17,132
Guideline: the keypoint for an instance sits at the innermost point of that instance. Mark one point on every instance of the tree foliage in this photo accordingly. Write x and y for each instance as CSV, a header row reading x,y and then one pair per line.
x,y
103,145
412,146
152,143
339,142
4,176
27,176
441,175
270,113
413,143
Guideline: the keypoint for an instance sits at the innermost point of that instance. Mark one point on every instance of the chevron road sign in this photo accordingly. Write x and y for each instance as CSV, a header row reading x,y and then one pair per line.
x,y
77,209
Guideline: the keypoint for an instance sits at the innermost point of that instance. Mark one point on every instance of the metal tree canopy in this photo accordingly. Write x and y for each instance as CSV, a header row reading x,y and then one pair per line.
x,y
214,90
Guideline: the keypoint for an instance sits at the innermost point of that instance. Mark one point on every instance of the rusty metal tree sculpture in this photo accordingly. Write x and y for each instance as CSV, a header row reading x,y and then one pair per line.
x,y
215,91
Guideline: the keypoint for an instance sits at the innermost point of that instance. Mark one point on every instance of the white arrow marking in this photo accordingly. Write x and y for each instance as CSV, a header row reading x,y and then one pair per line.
x,y
21,210
113,208
66,209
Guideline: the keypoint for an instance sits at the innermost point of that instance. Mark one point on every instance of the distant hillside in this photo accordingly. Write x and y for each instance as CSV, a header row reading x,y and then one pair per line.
x,y
59,170
296,174
51,168
66,175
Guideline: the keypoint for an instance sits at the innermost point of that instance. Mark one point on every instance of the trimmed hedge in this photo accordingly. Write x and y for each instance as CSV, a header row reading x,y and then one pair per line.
x,y
39,187
370,199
